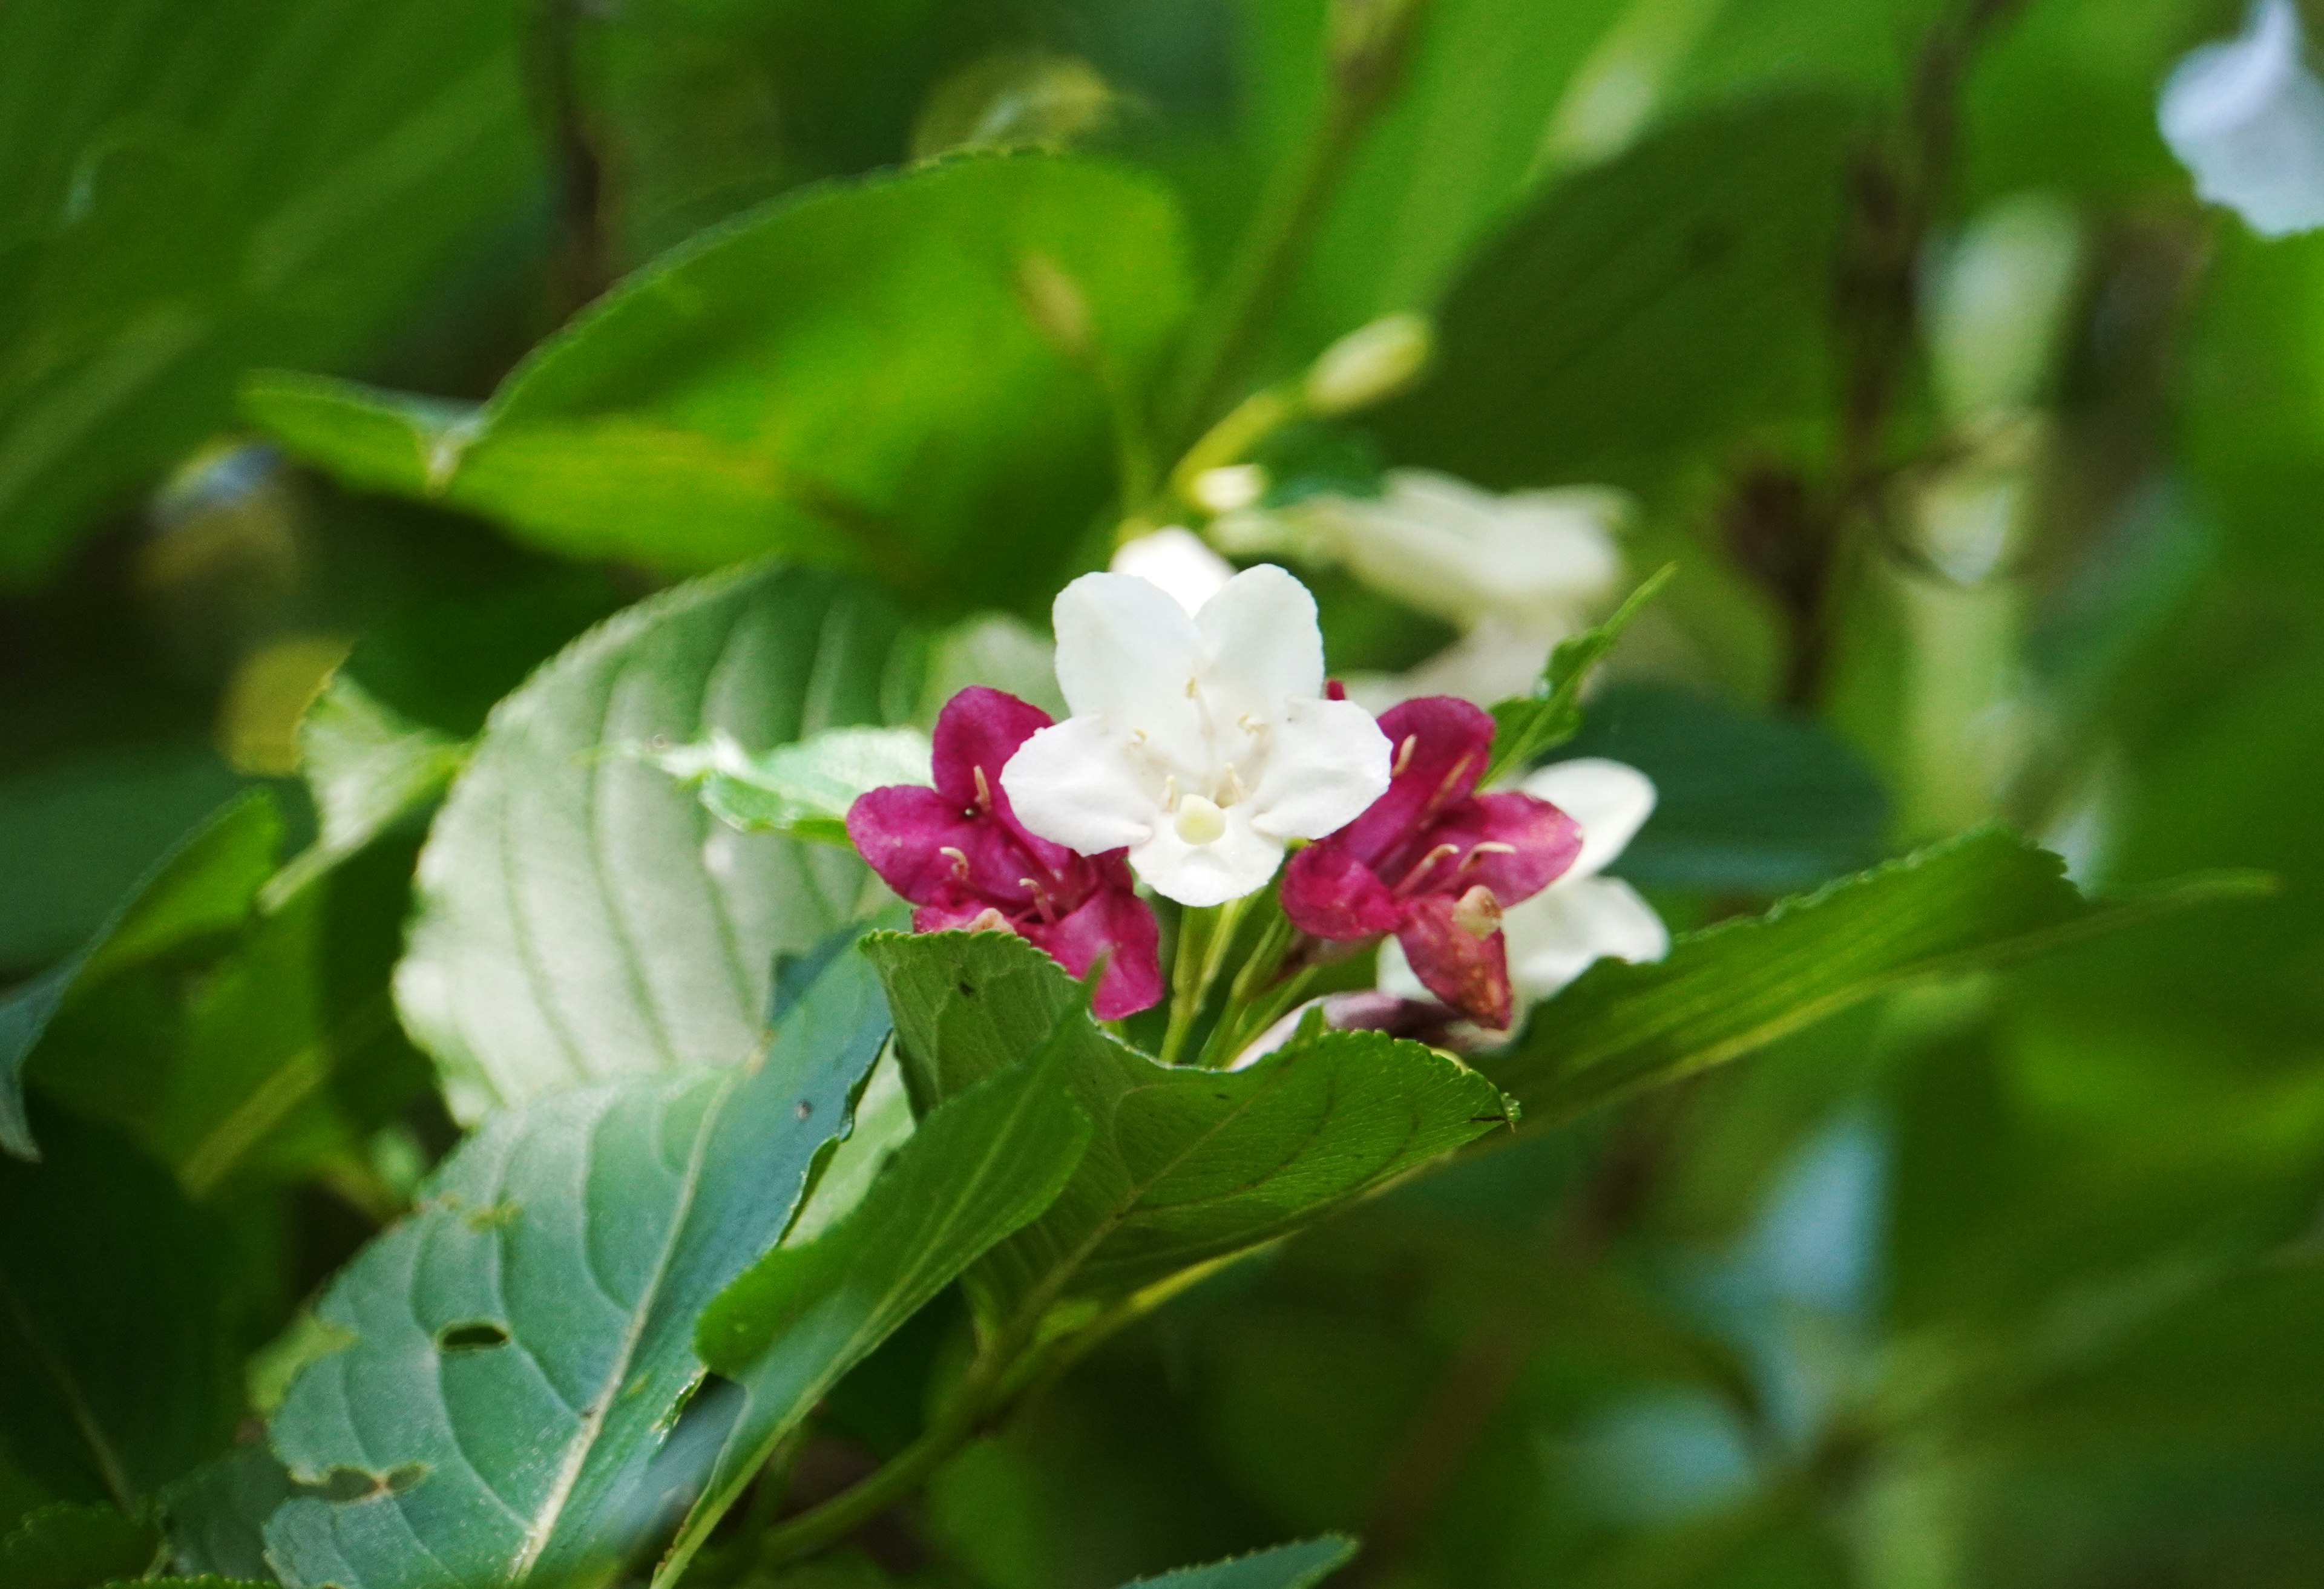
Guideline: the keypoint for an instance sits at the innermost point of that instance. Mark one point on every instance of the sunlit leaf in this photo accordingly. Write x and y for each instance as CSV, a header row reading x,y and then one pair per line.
x,y
801,790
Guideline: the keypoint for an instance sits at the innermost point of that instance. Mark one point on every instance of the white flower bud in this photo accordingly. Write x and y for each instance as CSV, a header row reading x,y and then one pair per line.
x,y
2247,117
1367,365
1231,488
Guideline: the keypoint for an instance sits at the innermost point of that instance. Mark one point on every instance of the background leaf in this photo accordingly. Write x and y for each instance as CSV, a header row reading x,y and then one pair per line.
x,y
523,1342
580,915
70,1546
1286,1567
911,373
277,185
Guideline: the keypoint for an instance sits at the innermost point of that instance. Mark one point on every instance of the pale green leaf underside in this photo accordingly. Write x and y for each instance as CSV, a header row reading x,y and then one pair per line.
x,y
1188,1166
1980,899
580,917
523,1340
804,790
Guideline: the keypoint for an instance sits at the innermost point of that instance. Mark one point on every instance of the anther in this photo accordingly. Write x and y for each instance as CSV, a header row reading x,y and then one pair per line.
x,y
983,789
1404,756
959,860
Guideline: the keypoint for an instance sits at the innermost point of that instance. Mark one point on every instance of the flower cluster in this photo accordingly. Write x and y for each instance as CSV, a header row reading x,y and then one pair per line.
x,y
1203,743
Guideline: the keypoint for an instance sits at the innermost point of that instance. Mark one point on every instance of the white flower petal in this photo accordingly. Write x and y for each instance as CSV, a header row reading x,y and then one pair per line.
x,y
1395,975
1074,785
1558,933
2247,117
1179,561
1327,761
1264,645
1611,801
1239,861
1125,649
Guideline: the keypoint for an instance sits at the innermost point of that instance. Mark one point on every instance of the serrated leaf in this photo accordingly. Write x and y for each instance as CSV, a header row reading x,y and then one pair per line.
x,y
70,1546
804,790
1188,1166
119,1346
1285,1566
908,373
1982,899
205,885
580,917
975,1171
1528,725
524,1340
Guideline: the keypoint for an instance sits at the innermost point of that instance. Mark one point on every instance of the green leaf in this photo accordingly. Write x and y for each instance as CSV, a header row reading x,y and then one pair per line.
x,y
70,1546
120,1349
976,1171
1745,801
1981,899
205,885
1527,725
581,916
1188,1166
206,1581
275,187
911,373
1285,1566
1667,299
801,790
531,1324
215,1517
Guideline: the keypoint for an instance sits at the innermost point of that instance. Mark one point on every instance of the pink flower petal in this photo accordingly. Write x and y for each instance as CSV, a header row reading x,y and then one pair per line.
x,y
1113,922
1331,894
1468,972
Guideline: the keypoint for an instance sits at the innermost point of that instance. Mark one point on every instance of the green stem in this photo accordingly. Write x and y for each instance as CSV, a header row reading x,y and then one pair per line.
x,y
890,1484
1204,936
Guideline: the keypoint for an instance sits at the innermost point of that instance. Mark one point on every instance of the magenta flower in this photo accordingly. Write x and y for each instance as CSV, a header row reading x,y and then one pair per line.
x,y
1434,862
958,853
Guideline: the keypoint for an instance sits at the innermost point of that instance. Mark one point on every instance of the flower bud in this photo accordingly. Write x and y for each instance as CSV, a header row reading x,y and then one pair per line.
x,y
1367,365
1229,488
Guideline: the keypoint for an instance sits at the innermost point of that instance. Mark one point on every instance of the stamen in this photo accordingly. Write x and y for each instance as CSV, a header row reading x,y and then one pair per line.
x,y
959,861
1477,913
983,789
1040,899
1235,791
1404,754
1424,865
1486,847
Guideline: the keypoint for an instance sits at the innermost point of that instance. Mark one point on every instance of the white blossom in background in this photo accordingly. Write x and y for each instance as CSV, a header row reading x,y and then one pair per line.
x,y
1201,742
2247,117
1177,559
1583,917
1515,574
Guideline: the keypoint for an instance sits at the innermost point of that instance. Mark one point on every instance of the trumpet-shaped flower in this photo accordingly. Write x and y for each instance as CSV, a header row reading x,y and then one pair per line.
x,y
2247,117
1581,917
959,853
1201,743
1434,862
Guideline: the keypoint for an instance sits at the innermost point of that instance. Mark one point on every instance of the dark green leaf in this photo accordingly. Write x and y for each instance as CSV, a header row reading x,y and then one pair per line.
x,y
580,915
1189,1166
532,1326
1745,801
1286,1567
180,204
975,1171
910,374
1668,299
204,886
216,1517
120,1362
71,1547
1981,899
1529,725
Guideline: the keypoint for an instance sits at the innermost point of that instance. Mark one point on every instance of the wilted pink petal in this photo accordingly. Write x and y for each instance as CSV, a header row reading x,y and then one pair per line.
x,y
1469,971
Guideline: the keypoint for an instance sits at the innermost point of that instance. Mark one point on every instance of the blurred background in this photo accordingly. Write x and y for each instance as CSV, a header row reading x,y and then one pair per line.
x,y
1991,458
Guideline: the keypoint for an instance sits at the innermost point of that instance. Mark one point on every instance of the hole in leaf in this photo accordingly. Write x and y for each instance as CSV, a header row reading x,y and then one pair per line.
x,y
480,1335
805,1109
968,990
348,1484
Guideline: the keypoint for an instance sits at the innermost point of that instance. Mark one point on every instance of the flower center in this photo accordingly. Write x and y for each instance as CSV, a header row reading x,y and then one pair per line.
x,y
1200,821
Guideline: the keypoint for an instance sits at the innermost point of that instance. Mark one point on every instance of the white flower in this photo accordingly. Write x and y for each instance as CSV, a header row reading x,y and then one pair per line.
x,y
2247,117
1581,918
1202,743
1175,559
